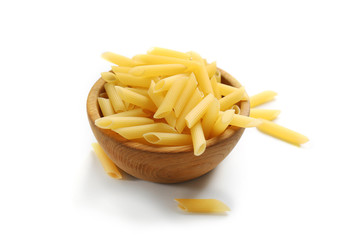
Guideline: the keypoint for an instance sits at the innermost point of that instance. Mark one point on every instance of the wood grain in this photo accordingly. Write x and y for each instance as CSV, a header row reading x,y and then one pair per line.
x,y
163,164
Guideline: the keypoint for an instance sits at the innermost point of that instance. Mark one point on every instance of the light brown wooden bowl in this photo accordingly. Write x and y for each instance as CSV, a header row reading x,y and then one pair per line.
x,y
163,164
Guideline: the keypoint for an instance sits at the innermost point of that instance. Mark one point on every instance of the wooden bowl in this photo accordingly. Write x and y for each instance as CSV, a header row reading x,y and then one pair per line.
x,y
166,164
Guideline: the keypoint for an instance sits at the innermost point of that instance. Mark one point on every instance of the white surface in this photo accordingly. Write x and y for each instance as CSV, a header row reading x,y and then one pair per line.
x,y
308,51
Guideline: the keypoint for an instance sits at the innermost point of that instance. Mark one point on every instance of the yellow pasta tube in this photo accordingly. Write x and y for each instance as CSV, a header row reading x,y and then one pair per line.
x,y
231,99
211,69
141,91
198,111
210,117
138,131
165,83
114,97
262,98
282,133
267,114
222,122
130,113
105,106
202,205
225,89
215,87
109,77
170,98
135,98
194,100
203,79
168,53
170,139
198,139
118,59
130,80
244,121
157,70
185,95
120,69
236,108
155,59
106,162
119,122
218,76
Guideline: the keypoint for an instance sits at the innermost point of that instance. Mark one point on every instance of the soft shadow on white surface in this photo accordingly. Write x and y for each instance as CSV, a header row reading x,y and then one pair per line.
x,y
138,200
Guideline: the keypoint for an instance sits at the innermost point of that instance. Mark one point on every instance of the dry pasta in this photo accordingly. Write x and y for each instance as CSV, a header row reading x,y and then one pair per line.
x,y
198,139
105,106
229,100
210,117
114,98
157,70
198,111
222,122
106,162
202,205
168,53
118,59
185,95
244,121
136,98
267,114
170,139
262,98
118,122
138,131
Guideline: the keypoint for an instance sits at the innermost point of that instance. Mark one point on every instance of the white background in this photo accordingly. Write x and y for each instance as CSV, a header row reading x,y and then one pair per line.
x,y
53,187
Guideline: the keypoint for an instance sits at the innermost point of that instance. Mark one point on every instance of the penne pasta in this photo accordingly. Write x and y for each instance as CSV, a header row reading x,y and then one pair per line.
x,y
170,98
198,111
130,113
130,80
194,100
231,99
119,122
142,91
106,162
267,114
114,97
109,77
170,139
135,132
282,133
198,139
155,59
185,95
165,83
210,117
225,89
222,122
157,70
262,98
203,79
211,69
215,87
202,205
244,121
105,106
168,53
236,108
218,76
135,98
118,69
118,59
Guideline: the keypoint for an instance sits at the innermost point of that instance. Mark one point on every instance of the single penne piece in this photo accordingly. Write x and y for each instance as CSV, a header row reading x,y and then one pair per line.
x,y
106,162
119,122
244,121
168,53
231,99
198,111
130,80
222,122
282,133
170,139
203,79
165,83
210,117
268,114
157,70
262,98
158,98
105,106
185,95
142,91
170,99
202,205
194,100
138,131
131,113
155,59
109,77
198,139
225,89
114,97
215,87
236,108
211,69
118,59
218,76
120,69
136,98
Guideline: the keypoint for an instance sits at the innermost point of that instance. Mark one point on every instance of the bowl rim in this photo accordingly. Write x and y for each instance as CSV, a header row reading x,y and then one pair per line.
x,y
93,112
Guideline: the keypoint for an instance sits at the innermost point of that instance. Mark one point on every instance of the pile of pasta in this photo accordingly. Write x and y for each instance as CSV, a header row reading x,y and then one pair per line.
x,y
169,98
